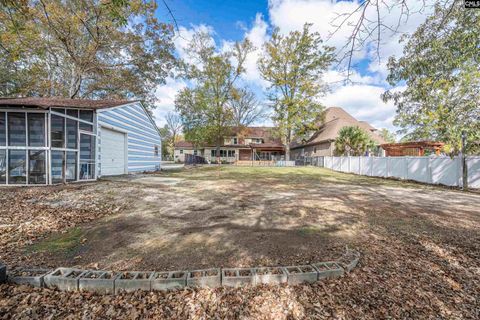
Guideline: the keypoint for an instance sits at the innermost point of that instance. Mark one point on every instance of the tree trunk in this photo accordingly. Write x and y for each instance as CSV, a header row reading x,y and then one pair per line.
x,y
287,145
217,153
287,151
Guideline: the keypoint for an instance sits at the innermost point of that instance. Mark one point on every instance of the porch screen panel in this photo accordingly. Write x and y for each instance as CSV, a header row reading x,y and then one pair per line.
x,y
58,131
36,129
3,166
86,115
16,129
58,159
87,157
17,164
36,167
71,166
72,133
3,126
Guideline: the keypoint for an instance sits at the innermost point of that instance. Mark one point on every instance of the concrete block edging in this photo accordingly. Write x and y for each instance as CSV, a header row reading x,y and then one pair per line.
x,y
108,282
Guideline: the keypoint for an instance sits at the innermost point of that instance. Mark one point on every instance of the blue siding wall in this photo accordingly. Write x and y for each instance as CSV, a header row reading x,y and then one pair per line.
x,y
142,136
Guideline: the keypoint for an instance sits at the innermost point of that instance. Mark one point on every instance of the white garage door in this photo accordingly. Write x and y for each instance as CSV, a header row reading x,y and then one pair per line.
x,y
113,152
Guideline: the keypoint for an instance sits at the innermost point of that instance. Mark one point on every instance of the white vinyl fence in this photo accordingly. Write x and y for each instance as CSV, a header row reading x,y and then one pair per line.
x,y
433,170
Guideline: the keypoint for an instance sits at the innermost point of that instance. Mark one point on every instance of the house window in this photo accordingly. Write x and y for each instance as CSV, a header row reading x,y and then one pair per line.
x,y
155,151
213,153
235,141
181,151
194,152
231,153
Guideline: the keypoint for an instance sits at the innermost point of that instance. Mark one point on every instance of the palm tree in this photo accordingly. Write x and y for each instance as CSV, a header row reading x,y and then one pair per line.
x,y
353,141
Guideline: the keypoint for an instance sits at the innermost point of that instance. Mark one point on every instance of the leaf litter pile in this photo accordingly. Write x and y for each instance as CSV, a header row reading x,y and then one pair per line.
x,y
415,264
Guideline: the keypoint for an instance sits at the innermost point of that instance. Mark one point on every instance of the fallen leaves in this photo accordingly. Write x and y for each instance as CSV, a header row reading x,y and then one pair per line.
x,y
29,214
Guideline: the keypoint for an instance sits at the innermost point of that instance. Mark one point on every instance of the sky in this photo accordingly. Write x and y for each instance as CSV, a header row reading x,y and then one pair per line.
x,y
231,21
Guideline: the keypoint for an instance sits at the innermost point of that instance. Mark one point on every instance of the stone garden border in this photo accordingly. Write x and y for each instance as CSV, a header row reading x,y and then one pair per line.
x,y
108,282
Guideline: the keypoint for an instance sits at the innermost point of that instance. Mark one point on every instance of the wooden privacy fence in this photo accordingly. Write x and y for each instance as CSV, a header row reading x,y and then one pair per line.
x,y
433,170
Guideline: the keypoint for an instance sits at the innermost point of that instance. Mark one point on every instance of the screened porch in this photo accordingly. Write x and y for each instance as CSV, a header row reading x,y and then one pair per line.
x,y
46,146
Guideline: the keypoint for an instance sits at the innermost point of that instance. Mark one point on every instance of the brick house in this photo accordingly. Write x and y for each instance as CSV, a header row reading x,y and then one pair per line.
x,y
242,144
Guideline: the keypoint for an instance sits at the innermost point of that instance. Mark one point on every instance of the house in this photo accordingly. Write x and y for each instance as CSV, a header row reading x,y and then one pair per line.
x,y
53,140
322,142
241,144
415,148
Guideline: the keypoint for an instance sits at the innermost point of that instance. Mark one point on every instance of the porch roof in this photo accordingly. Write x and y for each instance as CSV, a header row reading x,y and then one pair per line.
x,y
46,103
271,146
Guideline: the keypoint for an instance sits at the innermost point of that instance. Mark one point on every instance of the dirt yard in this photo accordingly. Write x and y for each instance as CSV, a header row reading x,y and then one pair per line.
x,y
420,244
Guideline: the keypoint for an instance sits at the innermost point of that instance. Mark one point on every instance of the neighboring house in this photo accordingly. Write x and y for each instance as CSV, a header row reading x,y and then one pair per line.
x,y
52,140
242,144
322,142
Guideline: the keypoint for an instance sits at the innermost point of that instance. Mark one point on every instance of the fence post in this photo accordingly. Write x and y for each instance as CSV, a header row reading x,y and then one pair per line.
x,y
429,170
459,168
464,162
406,168
388,167
371,166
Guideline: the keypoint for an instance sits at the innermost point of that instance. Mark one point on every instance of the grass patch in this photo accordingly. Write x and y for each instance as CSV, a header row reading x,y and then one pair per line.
x,y
309,230
60,243
295,176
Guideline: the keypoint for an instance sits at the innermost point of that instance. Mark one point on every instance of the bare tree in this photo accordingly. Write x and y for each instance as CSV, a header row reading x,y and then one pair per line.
x,y
245,107
174,125
369,26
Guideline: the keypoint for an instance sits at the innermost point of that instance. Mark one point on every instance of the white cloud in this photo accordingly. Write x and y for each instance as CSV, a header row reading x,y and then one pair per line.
x,y
166,99
258,36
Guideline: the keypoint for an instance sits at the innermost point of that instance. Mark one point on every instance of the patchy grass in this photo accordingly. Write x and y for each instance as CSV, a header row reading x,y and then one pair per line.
x,y
420,244
59,243
309,230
